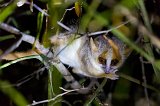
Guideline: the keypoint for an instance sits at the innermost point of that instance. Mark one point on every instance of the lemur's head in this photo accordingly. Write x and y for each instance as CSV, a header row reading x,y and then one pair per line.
x,y
107,54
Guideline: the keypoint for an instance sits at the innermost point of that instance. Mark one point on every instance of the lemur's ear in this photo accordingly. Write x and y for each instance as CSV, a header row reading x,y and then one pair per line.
x,y
93,45
115,48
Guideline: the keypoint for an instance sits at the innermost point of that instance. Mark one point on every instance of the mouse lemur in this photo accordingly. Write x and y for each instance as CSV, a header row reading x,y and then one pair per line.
x,y
91,56
94,54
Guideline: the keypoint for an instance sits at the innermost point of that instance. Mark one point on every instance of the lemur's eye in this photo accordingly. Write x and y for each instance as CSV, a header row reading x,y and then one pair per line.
x,y
101,60
114,62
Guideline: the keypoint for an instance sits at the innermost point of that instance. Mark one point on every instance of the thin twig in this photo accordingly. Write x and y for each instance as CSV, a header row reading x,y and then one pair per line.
x,y
69,78
22,2
138,82
107,31
24,79
53,99
25,37
12,48
145,81
96,92
6,4
9,28
30,39
142,29
64,26
66,10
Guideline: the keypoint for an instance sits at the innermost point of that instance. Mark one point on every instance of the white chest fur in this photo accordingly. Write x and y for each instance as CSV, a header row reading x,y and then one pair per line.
x,y
69,55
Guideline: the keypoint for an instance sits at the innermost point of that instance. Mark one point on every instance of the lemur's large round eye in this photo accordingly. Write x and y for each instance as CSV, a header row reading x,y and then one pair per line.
x,y
101,60
114,62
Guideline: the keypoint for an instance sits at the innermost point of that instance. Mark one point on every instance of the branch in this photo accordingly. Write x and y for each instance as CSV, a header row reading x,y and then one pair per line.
x,y
69,78
49,100
25,37
145,81
30,39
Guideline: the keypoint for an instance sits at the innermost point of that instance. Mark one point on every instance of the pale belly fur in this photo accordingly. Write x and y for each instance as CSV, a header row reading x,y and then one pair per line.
x,y
69,55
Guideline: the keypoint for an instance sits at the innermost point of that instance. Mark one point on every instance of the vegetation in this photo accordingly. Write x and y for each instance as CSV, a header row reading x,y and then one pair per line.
x,y
28,77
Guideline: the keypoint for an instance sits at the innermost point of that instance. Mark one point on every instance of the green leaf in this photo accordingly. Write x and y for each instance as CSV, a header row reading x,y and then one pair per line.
x,y
4,13
39,27
12,93
20,59
129,3
91,10
132,45
54,82
2,38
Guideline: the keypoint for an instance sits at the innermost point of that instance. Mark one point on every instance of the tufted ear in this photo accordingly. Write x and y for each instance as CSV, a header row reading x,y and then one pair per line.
x,y
93,45
115,48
